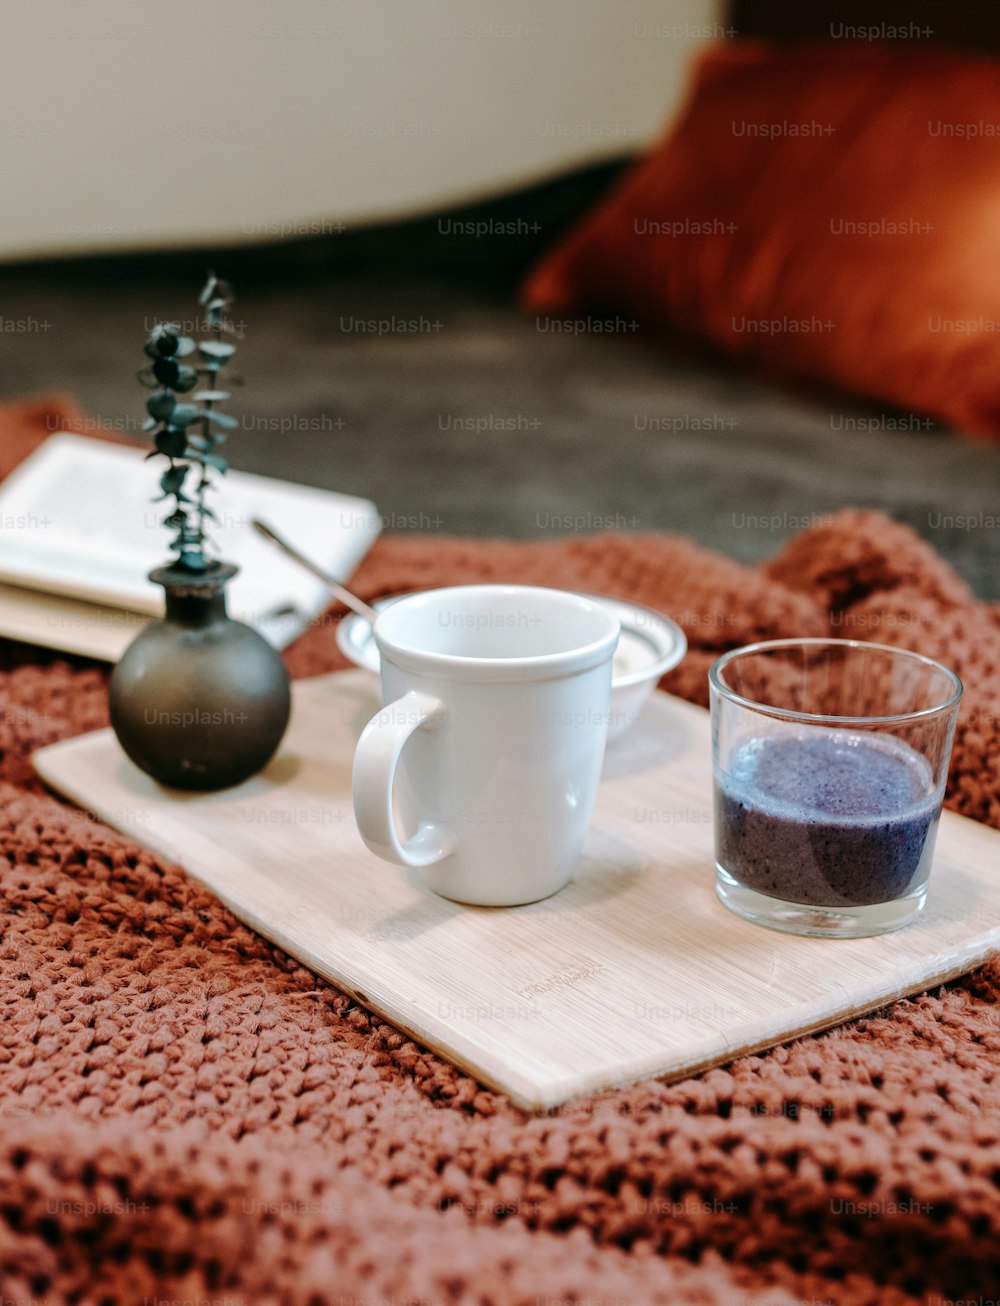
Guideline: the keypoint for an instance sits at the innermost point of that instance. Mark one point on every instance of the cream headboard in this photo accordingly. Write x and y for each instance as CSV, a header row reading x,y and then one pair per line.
x,y
129,124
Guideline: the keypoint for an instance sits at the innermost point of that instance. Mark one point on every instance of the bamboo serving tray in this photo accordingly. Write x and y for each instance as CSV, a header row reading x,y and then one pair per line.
x,y
633,971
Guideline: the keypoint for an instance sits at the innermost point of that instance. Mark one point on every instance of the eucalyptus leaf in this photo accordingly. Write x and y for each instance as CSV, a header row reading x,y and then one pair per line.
x,y
164,329
160,404
225,420
166,371
185,346
212,396
185,414
172,442
173,479
166,344
211,350
187,379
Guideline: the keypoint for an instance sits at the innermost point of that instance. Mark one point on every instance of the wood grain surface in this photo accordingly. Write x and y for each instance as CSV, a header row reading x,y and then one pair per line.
x,y
635,970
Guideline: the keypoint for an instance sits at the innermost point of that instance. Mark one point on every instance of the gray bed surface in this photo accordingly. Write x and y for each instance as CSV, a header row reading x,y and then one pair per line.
x,y
458,414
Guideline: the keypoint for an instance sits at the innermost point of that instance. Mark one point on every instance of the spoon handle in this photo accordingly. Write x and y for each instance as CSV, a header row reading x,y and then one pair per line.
x,y
348,599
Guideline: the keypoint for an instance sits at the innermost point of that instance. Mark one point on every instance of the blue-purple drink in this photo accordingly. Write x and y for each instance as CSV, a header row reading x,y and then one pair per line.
x,y
827,818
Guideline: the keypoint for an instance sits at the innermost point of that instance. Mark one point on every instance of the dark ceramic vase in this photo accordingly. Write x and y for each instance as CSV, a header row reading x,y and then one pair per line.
x,y
199,701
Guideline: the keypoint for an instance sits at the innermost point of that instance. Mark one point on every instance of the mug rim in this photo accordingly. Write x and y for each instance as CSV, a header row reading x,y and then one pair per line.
x,y
540,666
718,686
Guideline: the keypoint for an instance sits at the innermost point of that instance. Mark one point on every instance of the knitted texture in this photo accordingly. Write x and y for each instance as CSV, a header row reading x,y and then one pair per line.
x,y
188,1115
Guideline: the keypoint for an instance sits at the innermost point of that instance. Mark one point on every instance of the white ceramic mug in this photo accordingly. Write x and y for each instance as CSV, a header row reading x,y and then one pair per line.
x,y
489,750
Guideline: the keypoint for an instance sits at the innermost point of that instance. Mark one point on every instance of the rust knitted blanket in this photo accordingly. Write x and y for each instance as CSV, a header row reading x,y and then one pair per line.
x,y
187,1115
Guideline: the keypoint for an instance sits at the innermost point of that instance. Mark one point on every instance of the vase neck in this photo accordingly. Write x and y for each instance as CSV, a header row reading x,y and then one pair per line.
x,y
192,609
195,598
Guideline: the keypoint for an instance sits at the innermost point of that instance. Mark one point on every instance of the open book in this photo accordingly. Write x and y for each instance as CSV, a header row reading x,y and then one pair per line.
x,y
79,533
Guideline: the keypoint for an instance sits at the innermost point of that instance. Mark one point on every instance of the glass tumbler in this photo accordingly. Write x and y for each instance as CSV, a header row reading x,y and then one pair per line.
x,y
830,758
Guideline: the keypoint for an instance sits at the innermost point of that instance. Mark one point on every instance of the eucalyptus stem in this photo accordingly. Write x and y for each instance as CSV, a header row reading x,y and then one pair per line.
x,y
170,420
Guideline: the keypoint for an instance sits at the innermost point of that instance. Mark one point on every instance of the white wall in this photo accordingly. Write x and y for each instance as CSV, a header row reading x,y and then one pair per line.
x,y
137,123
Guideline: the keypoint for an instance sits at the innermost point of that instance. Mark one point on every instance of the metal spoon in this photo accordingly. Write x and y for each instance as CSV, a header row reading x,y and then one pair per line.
x,y
348,599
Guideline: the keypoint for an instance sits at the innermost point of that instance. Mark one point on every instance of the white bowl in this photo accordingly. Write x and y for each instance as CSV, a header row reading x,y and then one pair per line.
x,y
650,646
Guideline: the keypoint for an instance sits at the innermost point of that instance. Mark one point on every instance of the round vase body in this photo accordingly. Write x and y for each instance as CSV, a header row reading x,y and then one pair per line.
x,y
198,700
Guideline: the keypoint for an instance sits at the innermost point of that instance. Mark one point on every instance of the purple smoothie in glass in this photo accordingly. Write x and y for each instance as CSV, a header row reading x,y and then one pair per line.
x,y
827,818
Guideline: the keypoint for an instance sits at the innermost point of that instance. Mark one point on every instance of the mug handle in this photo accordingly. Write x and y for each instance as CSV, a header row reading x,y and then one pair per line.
x,y
379,749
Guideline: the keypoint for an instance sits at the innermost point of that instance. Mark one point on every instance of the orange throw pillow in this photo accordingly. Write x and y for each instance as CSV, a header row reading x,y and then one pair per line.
x,y
830,212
